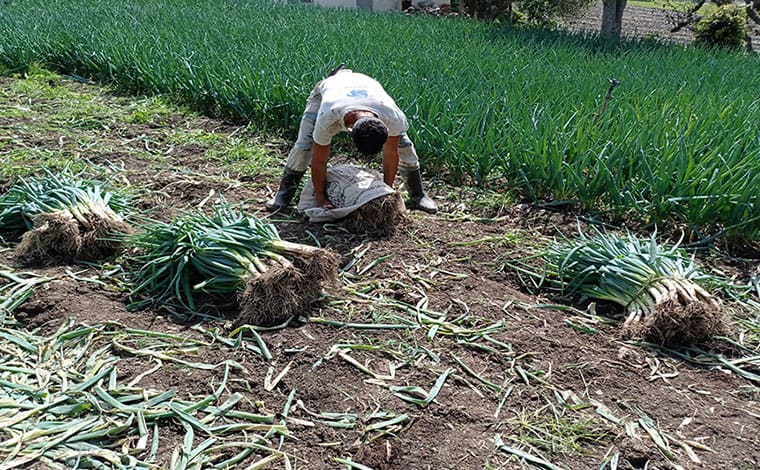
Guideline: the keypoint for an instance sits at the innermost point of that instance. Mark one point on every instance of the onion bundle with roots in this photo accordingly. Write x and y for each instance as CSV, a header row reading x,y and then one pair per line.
x,y
379,217
657,285
197,258
62,217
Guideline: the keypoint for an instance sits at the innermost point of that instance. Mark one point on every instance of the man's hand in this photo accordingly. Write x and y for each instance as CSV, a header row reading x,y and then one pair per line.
x,y
390,159
323,202
319,174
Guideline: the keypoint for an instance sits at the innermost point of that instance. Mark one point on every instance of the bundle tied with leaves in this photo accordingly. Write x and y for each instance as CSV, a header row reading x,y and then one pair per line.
x,y
197,260
60,217
658,285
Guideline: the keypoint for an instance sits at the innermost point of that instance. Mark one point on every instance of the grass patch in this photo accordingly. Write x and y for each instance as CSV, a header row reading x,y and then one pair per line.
x,y
27,161
242,158
154,111
198,137
51,122
555,431
85,115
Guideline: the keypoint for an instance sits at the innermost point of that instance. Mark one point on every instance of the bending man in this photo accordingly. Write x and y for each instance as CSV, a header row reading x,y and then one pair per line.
x,y
357,104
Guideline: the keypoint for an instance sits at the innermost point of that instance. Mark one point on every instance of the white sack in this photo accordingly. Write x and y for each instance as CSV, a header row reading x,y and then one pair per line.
x,y
348,188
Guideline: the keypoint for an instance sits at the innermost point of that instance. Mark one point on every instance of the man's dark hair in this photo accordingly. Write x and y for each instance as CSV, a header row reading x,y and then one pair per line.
x,y
369,135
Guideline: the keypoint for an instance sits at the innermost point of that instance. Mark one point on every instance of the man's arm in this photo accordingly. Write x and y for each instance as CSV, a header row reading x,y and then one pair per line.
x,y
390,159
321,153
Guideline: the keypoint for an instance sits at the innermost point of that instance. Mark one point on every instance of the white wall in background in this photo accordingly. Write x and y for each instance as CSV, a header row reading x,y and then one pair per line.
x,y
372,5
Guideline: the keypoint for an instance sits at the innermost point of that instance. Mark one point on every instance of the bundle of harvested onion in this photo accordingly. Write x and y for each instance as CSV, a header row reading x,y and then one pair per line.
x,y
61,216
198,256
658,285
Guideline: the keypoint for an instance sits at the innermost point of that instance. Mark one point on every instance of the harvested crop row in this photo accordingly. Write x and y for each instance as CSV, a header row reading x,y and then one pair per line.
x,y
67,404
62,218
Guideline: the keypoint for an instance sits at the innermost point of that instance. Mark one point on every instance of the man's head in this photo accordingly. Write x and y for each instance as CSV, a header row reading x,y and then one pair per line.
x,y
369,135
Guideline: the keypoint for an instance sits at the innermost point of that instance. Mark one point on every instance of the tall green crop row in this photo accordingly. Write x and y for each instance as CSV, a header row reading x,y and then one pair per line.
x,y
679,140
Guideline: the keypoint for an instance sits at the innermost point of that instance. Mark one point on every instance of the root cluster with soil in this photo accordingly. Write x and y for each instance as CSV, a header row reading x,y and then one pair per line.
x,y
674,311
675,323
200,261
282,292
60,237
380,217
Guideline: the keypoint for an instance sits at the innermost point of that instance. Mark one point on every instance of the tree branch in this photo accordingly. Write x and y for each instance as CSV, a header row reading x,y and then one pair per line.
x,y
752,14
689,17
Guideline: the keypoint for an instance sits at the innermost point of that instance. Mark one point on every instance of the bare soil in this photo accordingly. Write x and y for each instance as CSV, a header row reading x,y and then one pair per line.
x,y
554,373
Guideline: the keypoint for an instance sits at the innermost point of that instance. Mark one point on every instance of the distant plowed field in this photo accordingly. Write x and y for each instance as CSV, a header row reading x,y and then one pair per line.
x,y
642,22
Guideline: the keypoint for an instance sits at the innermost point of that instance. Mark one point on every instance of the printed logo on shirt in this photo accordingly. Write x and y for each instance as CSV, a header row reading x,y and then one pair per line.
x,y
358,94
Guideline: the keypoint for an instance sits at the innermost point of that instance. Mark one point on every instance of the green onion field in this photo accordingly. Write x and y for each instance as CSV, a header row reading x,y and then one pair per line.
x,y
679,142
586,297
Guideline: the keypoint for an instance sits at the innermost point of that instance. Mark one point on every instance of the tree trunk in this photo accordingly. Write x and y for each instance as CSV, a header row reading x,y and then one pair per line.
x,y
612,18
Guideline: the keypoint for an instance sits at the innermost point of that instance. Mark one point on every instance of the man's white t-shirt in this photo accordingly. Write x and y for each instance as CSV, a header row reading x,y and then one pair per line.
x,y
348,91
